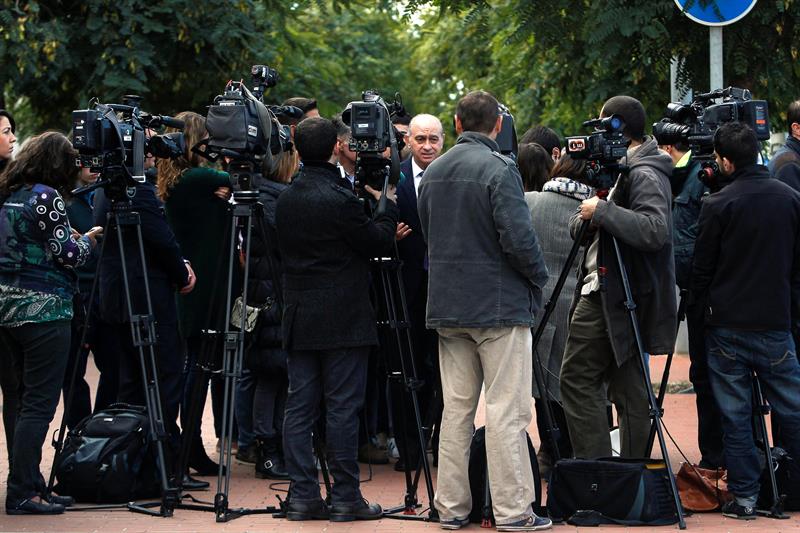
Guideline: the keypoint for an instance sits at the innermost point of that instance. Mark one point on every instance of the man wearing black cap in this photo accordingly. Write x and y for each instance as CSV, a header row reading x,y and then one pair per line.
x,y
601,348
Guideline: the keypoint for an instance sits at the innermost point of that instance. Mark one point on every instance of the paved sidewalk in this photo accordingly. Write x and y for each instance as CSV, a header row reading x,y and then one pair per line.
x,y
386,487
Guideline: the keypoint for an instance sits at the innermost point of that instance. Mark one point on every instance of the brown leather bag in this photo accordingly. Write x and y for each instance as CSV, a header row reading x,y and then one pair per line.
x,y
702,489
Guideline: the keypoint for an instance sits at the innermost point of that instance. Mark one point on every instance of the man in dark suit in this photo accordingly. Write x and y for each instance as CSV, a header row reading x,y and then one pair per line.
x,y
425,138
326,240
167,272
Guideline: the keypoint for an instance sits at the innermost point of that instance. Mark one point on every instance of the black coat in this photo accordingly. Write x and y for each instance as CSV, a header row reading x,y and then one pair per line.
x,y
638,215
264,348
166,270
326,239
412,249
747,260
785,164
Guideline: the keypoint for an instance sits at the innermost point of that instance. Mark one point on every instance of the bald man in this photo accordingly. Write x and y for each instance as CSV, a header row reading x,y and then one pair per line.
x,y
425,138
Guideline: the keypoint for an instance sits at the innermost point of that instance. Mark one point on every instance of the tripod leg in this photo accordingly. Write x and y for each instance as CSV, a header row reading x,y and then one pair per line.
x,y
760,410
655,411
58,443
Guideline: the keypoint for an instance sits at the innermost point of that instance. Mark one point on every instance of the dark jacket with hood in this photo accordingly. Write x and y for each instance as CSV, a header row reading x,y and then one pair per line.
x,y
486,268
689,192
264,349
326,240
638,214
747,260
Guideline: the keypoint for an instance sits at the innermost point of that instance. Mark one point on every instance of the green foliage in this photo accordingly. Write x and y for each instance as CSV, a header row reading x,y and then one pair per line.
x,y
550,61
556,61
178,54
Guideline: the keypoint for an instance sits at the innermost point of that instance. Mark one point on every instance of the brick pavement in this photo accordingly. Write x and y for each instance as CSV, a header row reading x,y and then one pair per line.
x,y
385,487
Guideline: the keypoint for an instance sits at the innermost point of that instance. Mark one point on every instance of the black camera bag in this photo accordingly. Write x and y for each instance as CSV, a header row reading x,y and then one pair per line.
x,y
611,490
107,458
481,509
787,476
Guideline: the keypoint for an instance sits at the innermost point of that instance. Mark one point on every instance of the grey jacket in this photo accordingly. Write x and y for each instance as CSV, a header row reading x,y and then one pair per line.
x,y
485,265
551,213
638,214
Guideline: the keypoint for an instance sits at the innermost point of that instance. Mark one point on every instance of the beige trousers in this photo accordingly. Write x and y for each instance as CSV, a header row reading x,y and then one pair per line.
x,y
500,358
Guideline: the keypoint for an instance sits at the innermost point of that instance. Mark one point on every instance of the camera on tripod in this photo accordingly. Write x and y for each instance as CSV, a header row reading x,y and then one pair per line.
x,y
244,131
372,133
602,150
112,139
694,124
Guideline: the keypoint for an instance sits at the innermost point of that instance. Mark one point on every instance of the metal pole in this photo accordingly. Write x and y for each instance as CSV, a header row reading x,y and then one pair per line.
x,y
715,57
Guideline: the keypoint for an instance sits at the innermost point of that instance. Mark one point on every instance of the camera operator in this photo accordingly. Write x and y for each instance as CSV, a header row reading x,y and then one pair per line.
x,y
601,347
196,204
483,290
785,164
104,353
38,252
345,157
747,272
544,137
326,239
688,193
166,272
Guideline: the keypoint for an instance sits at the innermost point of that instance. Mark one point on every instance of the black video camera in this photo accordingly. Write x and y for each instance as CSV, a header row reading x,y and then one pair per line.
x,y
112,140
372,132
694,125
244,131
602,150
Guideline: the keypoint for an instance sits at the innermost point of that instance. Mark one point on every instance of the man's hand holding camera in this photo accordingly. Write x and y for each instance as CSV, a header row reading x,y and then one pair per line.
x,y
588,207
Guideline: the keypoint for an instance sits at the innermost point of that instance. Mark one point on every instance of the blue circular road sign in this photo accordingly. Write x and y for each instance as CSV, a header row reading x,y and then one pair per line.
x,y
716,12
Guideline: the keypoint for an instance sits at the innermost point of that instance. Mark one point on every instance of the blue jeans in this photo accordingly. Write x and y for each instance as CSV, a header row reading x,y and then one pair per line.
x,y
245,391
732,357
339,376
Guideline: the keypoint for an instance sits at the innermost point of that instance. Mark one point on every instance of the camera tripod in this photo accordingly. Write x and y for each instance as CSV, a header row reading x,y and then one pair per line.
x,y
144,339
246,209
630,305
395,331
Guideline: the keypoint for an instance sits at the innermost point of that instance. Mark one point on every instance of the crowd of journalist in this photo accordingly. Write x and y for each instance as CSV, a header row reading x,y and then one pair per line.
x,y
482,237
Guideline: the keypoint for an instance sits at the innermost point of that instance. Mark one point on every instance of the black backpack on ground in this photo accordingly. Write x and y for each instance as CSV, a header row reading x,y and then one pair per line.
x,y
481,505
787,476
611,490
107,458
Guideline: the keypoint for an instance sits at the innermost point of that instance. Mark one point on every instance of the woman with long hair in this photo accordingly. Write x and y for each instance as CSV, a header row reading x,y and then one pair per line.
x,y
265,357
551,210
38,254
195,200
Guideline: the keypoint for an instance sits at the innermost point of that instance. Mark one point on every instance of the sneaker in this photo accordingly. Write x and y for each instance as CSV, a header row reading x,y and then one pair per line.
x,y
532,523
391,447
453,523
740,512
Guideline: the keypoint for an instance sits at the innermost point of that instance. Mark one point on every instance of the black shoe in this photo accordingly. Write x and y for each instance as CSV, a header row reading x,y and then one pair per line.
x,y
66,501
740,512
270,463
189,483
29,506
359,511
203,465
296,511
247,455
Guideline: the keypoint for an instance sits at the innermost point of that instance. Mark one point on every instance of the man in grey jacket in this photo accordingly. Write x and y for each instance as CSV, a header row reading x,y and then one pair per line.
x,y
486,274
601,349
